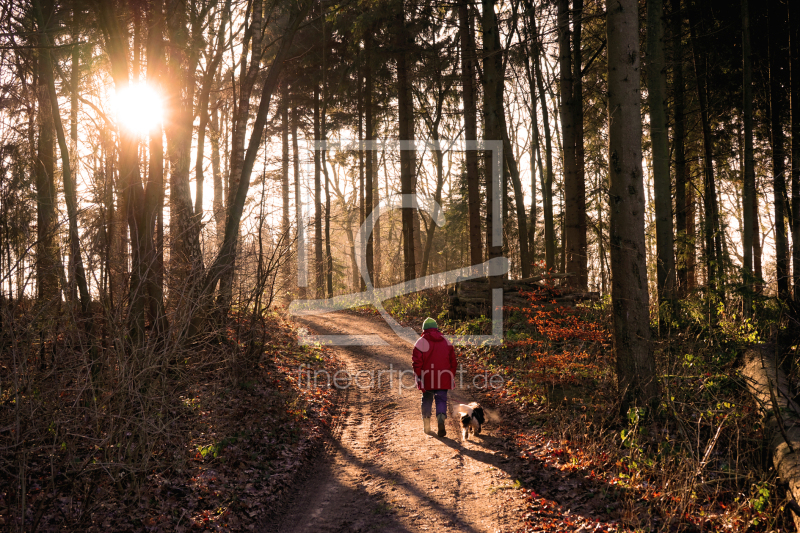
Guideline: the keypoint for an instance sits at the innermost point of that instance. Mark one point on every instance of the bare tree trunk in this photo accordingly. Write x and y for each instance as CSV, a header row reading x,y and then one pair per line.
x,y
225,259
370,174
778,164
522,223
70,194
574,259
247,77
216,170
318,262
360,285
284,111
185,254
468,57
202,110
683,196
535,151
709,189
547,177
748,174
580,257
323,158
635,365
130,183
302,281
48,262
656,95
493,123
154,189
794,62
405,115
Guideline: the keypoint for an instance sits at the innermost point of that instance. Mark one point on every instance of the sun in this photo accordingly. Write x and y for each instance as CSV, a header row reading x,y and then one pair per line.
x,y
139,108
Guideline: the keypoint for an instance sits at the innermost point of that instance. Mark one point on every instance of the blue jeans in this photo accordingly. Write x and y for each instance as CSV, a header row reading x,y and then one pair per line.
x,y
441,402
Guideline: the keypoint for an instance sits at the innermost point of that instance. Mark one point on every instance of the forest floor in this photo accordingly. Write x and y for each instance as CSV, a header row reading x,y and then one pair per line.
x,y
380,472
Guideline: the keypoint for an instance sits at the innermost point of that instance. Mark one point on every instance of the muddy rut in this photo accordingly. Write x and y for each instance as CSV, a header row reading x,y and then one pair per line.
x,y
380,472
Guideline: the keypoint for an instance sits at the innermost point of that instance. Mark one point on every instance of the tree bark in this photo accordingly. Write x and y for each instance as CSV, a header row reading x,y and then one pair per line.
x,y
48,261
683,207
547,178
202,110
493,123
794,65
369,167
778,164
748,174
405,114
284,111
318,261
154,188
713,266
580,253
302,261
247,77
225,259
468,58
573,258
70,194
629,292
656,95
216,170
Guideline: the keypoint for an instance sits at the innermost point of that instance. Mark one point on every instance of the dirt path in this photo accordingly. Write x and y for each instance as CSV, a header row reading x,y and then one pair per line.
x,y
382,473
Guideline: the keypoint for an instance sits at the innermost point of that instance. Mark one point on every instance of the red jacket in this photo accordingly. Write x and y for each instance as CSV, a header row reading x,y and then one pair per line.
x,y
434,361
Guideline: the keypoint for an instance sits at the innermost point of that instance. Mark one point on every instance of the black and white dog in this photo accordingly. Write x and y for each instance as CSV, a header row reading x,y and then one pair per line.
x,y
471,418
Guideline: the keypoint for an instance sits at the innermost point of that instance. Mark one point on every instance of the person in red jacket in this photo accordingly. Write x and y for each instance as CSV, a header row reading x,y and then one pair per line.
x,y
435,367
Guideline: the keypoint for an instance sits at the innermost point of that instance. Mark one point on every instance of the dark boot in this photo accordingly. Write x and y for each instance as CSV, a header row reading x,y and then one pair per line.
x,y
440,419
426,425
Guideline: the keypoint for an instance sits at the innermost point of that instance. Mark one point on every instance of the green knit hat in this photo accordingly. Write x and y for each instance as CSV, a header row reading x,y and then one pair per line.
x,y
429,323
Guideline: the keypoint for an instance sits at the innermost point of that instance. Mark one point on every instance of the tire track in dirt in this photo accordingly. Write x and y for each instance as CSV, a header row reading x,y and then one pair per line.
x,y
380,472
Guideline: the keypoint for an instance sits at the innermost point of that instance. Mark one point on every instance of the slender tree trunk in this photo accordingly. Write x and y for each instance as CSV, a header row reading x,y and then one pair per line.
x,y
70,194
571,256
130,186
468,58
635,365
405,115
757,249
216,170
154,189
547,180
794,62
376,202
302,260
225,259
360,285
709,189
748,174
48,263
656,95
241,114
522,223
535,151
323,158
683,195
202,110
370,174
580,256
493,124
778,165
318,262
284,110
